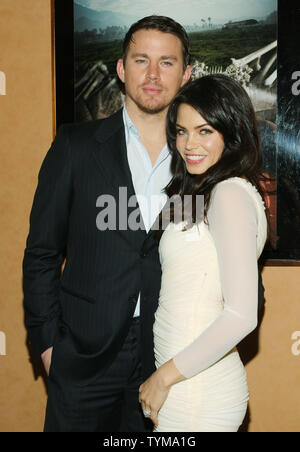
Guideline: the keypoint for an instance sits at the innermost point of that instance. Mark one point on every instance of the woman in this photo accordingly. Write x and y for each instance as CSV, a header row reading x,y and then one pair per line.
x,y
208,298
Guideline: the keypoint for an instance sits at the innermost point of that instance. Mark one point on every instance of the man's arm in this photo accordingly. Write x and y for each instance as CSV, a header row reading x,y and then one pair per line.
x,y
46,244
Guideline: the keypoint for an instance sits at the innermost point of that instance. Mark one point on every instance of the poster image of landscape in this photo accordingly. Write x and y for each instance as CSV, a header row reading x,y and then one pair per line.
x,y
234,37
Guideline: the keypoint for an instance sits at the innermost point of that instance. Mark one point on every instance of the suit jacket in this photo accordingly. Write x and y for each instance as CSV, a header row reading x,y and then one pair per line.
x,y
85,311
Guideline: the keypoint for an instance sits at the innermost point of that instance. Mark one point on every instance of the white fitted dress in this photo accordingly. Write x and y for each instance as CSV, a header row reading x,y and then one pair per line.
x,y
207,305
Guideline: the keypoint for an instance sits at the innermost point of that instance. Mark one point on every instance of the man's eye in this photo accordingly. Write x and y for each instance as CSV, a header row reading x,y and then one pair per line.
x,y
140,61
167,63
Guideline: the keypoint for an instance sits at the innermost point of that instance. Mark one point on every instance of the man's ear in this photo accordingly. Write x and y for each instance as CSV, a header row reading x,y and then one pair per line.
x,y
121,70
186,75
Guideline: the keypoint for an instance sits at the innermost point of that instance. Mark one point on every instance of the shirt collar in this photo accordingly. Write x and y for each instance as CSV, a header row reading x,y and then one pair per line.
x,y
129,126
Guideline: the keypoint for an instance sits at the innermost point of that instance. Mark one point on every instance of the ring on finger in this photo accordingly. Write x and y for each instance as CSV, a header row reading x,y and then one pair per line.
x,y
147,413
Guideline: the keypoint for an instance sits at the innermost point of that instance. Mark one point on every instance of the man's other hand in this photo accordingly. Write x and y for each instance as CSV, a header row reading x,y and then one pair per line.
x,y
46,358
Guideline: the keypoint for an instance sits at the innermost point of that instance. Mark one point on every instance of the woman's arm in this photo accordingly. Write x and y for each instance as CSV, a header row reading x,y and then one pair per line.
x,y
233,225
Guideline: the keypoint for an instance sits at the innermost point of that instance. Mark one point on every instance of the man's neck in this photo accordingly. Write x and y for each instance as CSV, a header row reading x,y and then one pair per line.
x,y
151,127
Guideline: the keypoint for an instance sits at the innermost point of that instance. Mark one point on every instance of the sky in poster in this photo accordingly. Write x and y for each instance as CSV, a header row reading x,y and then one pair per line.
x,y
187,11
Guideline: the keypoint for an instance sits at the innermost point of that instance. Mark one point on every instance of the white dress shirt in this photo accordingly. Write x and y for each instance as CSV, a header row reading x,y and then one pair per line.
x,y
148,181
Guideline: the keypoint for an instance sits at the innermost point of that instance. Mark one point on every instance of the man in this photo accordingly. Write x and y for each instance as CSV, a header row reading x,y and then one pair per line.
x,y
92,324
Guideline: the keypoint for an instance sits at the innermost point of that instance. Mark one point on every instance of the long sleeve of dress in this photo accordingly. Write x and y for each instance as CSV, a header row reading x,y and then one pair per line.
x,y
232,219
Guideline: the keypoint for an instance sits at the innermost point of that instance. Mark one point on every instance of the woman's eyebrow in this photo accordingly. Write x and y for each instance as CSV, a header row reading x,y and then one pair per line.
x,y
202,125
197,127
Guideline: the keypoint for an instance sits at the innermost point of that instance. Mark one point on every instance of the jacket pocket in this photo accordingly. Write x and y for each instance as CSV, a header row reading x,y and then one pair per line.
x,y
77,295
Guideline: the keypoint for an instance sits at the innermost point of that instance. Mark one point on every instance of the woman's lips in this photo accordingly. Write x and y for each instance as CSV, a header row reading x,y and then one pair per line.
x,y
194,159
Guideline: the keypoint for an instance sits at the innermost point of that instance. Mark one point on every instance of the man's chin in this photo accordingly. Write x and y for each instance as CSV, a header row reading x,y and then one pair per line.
x,y
151,108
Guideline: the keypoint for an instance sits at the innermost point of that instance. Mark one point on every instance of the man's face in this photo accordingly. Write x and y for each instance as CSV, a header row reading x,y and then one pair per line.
x,y
153,72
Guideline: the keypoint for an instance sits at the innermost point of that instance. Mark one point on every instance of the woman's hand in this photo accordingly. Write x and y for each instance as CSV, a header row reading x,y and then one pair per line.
x,y
154,391
153,394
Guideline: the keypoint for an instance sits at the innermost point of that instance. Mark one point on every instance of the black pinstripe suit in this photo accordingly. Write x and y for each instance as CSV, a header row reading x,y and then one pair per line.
x,y
86,311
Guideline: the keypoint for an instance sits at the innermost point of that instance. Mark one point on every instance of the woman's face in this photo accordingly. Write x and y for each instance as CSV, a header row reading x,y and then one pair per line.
x,y
199,144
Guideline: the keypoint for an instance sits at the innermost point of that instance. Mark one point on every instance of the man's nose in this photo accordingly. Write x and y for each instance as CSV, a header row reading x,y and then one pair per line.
x,y
153,72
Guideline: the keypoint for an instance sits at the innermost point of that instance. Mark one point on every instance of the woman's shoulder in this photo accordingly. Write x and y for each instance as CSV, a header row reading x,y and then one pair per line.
x,y
237,196
234,186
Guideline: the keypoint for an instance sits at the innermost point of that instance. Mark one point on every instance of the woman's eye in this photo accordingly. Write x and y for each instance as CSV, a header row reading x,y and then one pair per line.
x,y
205,131
180,131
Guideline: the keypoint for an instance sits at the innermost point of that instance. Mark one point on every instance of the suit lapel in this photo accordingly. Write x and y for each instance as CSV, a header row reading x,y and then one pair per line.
x,y
111,157
111,153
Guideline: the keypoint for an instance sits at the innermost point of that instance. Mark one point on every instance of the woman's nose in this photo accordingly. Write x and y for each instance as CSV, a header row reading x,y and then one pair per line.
x,y
191,142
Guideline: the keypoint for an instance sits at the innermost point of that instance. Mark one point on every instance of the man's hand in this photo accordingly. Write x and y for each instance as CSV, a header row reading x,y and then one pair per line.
x,y
46,358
